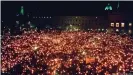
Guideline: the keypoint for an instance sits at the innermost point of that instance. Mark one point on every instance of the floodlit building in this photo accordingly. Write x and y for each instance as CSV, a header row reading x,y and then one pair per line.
x,y
116,21
121,21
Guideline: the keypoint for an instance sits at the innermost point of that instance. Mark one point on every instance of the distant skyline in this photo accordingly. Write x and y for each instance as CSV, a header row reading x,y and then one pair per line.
x,y
63,8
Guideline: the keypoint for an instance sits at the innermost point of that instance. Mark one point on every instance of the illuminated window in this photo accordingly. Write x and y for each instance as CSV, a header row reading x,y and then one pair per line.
x,y
122,24
130,24
117,24
117,30
112,24
99,29
47,17
129,31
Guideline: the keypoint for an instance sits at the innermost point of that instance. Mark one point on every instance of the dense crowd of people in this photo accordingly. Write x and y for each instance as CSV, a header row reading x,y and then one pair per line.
x,y
66,53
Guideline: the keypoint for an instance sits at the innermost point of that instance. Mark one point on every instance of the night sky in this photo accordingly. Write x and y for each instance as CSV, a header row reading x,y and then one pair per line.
x,y
69,8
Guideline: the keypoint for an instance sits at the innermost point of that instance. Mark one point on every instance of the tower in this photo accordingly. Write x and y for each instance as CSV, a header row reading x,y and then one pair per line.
x,y
22,10
20,19
20,16
118,5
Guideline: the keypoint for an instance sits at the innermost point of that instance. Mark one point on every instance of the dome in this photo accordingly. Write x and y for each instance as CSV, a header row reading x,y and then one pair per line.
x,y
108,7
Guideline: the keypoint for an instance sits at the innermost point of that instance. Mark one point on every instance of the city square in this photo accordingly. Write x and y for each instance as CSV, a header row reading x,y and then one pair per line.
x,y
67,45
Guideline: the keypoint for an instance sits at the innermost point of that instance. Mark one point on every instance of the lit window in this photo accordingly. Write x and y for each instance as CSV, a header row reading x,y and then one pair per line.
x,y
117,30
122,24
117,24
130,24
47,17
99,29
130,31
112,24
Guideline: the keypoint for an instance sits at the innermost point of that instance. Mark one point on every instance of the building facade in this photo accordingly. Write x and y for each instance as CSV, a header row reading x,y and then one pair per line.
x,y
121,22
114,21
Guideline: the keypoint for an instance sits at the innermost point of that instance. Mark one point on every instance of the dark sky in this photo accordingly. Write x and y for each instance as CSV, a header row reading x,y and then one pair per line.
x,y
62,8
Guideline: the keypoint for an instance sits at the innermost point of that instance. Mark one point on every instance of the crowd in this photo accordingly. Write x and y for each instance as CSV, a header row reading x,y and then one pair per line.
x,y
66,53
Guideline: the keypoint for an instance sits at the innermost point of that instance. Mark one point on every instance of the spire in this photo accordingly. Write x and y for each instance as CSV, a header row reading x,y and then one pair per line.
x,y
22,10
118,5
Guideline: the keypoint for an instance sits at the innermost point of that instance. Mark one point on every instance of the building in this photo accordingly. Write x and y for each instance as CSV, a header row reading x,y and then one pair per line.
x,y
121,22
115,21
